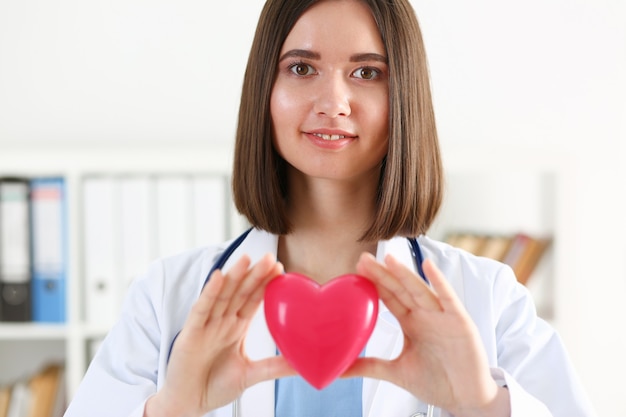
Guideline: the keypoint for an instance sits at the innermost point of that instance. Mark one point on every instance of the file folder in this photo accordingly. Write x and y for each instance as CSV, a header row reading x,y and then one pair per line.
x,y
101,223
15,260
138,225
209,208
173,214
49,249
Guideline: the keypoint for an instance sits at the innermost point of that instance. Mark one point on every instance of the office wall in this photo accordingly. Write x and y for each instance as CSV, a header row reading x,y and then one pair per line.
x,y
122,70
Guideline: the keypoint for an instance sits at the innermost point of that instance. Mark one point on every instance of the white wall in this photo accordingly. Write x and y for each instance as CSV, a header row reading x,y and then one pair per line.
x,y
543,74
122,69
551,75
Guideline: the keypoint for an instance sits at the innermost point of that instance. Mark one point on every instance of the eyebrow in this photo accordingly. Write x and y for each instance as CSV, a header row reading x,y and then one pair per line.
x,y
368,57
305,53
299,53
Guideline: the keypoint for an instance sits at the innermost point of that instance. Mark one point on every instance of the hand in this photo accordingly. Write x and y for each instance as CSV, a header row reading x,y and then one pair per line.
x,y
443,361
208,367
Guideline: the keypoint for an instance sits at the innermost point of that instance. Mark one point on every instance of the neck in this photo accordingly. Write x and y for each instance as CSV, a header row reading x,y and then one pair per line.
x,y
328,218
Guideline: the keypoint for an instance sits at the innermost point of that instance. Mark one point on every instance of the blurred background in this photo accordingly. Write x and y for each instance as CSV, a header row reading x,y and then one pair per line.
x,y
530,99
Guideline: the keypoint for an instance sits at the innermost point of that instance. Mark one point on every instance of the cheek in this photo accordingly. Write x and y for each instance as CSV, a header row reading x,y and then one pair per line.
x,y
281,103
372,108
281,114
383,114
378,117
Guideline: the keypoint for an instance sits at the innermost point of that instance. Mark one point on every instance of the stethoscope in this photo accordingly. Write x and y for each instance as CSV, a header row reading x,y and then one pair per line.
x,y
418,259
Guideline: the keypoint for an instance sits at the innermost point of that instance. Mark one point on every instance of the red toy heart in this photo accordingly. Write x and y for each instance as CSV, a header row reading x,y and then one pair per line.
x,y
320,330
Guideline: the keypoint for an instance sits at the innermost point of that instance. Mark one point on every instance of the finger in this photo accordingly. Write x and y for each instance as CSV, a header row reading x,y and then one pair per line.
x,y
254,278
370,368
203,306
249,308
390,289
232,279
392,303
268,369
419,291
445,293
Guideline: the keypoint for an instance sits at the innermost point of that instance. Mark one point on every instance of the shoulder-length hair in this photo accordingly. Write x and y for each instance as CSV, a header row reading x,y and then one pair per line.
x,y
411,183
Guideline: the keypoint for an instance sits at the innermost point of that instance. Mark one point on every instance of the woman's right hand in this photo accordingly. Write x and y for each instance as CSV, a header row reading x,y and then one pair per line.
x,y
208,366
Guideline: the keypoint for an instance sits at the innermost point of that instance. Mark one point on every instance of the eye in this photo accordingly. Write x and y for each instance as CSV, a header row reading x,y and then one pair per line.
x,y
366,73
302,69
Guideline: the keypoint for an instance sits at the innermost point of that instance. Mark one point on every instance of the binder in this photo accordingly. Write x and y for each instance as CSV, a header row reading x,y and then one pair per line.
x,y
138,246
15,261
173,213
49,249
209,206
100,199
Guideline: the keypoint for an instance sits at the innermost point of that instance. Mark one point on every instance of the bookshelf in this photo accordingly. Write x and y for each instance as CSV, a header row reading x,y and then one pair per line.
x,y
491,190
26,347
509,190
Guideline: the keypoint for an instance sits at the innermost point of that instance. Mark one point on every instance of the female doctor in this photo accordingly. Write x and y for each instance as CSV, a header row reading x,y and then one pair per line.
x,y
337,168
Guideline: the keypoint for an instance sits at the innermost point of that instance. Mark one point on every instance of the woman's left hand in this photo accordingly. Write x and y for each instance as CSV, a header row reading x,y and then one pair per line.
x,y
443,361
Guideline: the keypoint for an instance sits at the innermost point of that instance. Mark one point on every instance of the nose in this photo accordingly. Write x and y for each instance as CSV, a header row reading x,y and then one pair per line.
x,y
333,97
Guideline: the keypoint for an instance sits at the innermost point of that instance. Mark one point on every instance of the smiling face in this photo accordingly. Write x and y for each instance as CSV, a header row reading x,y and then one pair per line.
x,y
329,104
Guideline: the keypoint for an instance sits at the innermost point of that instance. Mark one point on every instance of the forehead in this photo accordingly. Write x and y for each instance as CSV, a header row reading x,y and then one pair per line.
x,y
336,25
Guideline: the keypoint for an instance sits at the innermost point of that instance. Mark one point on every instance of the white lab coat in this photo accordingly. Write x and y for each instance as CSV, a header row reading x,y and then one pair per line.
x,y
524,352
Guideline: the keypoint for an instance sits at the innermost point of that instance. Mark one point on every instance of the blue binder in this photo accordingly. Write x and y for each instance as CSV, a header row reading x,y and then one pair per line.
x,y
49,249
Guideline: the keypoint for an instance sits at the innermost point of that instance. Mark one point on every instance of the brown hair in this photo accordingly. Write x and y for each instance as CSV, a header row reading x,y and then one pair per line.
x,y
411,183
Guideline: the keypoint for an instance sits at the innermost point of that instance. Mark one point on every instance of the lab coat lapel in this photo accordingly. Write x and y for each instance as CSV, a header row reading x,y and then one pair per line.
x,y
381,398
255,245
258,400
453,271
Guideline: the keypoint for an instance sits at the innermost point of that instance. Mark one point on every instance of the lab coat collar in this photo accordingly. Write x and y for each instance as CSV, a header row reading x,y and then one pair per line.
x,y
257,400
386,341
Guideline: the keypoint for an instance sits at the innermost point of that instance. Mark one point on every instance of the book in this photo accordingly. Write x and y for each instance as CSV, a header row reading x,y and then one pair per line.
x,y
15,257
516,249
5,399
521,251
524,253
472,243
496,247
533,251
49,249
46,389
20,400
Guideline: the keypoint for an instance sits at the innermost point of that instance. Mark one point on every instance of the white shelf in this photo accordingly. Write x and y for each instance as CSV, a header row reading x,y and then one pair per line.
x,y
33,331
26,346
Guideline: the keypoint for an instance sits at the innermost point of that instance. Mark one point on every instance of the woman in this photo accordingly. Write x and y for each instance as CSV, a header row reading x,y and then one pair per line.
x,y
336,164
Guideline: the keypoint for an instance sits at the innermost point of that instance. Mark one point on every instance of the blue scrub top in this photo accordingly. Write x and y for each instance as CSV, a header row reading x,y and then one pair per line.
x,y
297,398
